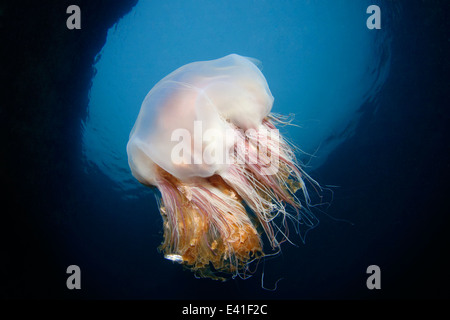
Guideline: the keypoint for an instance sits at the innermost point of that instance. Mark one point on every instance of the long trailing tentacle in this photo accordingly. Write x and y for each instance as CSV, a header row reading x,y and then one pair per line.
x,y
206,225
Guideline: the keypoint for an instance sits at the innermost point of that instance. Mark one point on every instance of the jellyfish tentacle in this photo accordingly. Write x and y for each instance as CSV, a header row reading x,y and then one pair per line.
x,y
216,212
206,226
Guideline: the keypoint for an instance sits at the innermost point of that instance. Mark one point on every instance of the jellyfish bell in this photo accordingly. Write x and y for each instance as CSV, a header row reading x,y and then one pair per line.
x,y
210,93
206,139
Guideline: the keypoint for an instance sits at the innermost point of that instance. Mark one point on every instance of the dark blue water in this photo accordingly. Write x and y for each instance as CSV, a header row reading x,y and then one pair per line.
x,y
370,104
321,62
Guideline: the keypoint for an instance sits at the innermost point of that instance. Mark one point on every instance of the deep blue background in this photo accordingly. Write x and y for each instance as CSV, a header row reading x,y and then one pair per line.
x,y
393,175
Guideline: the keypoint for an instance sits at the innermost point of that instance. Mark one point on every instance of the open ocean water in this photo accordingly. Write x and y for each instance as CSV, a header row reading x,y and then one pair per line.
x,y
371,115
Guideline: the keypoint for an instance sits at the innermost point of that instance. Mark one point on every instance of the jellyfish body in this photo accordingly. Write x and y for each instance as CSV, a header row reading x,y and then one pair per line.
x,y
206,139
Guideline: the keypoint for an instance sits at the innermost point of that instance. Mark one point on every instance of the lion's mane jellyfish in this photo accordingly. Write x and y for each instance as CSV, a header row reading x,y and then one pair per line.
x,y
206,139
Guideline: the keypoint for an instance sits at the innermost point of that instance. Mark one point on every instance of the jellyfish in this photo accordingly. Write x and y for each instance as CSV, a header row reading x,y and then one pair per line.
x,y
205,137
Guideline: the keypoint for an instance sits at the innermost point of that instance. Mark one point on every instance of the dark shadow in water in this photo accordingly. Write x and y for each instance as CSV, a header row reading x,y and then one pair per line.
x,y
392,175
